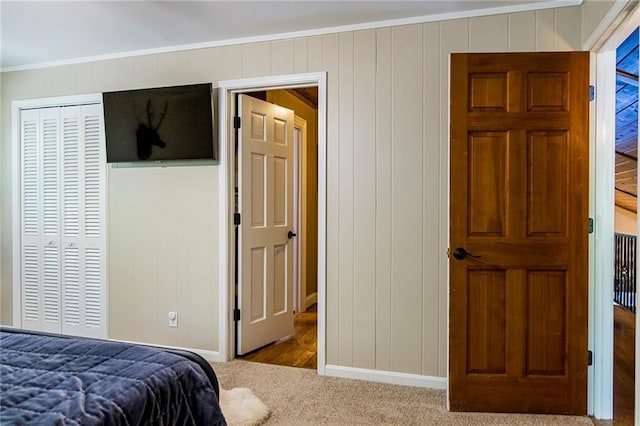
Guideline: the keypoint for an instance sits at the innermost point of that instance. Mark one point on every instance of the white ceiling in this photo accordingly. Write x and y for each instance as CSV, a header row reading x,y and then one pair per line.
x,y
35,33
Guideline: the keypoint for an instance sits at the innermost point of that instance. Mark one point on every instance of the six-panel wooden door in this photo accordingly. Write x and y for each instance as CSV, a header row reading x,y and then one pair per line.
x,y
518,236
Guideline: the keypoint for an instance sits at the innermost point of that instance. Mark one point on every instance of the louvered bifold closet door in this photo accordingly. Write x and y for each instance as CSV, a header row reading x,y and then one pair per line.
x,y
83,230
63,231
41,295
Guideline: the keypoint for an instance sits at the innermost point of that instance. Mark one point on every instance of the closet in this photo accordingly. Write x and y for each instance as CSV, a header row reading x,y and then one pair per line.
x,y
62,215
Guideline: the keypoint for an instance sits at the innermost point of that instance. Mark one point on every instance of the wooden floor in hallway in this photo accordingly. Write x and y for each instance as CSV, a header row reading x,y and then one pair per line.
x,y
624,330
624,366
301,350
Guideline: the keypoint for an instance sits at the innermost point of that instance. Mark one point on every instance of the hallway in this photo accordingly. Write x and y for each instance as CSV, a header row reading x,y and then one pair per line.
x,y
624,365
300,350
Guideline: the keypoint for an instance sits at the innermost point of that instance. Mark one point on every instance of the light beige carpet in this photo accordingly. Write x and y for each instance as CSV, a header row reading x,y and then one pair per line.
x,y
298,396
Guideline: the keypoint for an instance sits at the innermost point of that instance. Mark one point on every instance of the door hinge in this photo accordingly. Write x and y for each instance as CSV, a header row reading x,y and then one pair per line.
x,y
236,219
236,314
592,93
589,358
236,122
592,225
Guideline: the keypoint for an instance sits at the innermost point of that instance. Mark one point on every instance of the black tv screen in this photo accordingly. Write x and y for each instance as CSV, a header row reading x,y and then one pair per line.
x,y
160,124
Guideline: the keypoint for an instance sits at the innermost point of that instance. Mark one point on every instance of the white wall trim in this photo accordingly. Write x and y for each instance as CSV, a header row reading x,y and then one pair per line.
x,y
311,299
16,237
208,355
309,33
224,230
602,316
16,186
389,377
621,20
227,89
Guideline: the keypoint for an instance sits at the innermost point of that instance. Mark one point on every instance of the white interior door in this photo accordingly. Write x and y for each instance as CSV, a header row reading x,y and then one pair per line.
x,y
265,250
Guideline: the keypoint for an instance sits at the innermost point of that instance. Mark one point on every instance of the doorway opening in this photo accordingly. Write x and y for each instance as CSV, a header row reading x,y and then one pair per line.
x,y
626,229
298,349
229,93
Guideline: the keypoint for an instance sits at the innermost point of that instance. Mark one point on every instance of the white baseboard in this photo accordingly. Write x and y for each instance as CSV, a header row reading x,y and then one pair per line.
x,y
310,300
390,377
211,356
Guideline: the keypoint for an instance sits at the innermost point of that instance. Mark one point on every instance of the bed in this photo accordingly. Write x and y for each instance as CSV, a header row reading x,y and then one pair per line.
x,y
55,379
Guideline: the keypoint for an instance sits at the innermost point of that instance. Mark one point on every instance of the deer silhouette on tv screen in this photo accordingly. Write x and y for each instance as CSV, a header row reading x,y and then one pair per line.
x,y
147,134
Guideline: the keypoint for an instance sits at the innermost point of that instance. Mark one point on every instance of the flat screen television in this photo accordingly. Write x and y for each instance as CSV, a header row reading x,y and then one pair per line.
x,y
161,124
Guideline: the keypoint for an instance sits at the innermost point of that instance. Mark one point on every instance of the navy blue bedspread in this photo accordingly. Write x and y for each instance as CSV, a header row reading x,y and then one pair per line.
x,y
57,380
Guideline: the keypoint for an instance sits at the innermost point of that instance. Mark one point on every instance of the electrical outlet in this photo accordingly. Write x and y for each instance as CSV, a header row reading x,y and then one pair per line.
x,y
173,319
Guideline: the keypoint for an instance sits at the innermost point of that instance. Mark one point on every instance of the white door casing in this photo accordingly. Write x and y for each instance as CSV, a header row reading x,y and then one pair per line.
x,y
265,252
300,221
227,183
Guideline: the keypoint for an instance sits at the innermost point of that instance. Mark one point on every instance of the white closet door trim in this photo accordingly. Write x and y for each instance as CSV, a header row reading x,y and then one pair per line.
x,y
16,187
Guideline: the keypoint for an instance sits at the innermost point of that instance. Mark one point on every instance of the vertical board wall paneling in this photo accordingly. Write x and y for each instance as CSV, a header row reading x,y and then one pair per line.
x,y
454,37
567,19
408,264
331,63
198,69
431,180
227,64
282,57
200,269
256,59
345,202
121,254
171,296
145,71
169,69
100,76
364,198
58,81
315,46
489,34
522,32
384,136
300,55
120,71
545,30
406,235
145,233
81,78
164,239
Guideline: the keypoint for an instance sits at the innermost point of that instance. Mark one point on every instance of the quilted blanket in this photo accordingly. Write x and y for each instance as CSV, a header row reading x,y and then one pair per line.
x,y
46,379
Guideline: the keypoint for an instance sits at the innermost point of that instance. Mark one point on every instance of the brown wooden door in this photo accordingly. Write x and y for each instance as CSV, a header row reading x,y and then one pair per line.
x,y
519,199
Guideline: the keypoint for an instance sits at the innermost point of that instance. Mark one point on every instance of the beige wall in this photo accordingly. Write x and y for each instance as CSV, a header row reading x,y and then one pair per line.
x,y
593,12
387,200
163,255
309,183
626,222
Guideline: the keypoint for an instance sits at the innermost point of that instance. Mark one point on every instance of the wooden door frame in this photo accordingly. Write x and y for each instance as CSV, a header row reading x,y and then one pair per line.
x,y
621,20
226,105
